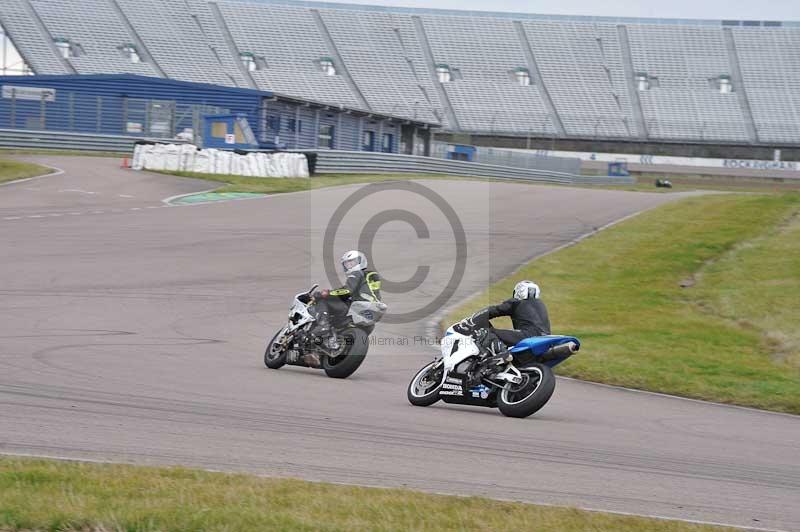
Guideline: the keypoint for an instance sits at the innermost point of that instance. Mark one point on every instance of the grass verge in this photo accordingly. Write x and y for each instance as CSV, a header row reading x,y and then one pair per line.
x,y
276,185
688,183
697,298
51,495
12,170
267,185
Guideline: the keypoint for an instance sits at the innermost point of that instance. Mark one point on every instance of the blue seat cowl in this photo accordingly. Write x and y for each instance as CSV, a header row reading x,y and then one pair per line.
x,y
541,344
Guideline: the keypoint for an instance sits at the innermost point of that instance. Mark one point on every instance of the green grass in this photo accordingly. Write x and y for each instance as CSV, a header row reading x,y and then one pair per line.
x,y
50,495
12,170
730,335
275,185
645,182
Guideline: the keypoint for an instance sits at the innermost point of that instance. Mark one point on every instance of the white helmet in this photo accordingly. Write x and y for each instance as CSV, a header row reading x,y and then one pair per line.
x,y
353,261
526,289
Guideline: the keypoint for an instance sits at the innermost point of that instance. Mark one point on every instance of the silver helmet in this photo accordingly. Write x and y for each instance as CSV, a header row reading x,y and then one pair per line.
x,y
526,290
353,261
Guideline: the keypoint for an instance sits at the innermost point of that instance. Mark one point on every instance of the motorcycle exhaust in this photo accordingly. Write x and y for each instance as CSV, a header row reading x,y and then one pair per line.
x,y
560,351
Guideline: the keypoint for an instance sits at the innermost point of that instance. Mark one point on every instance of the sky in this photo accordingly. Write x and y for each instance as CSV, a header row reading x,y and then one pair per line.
x,y
697,9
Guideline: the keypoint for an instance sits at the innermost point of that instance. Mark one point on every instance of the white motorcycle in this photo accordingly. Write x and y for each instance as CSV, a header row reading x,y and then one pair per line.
x,y
339,355
518,381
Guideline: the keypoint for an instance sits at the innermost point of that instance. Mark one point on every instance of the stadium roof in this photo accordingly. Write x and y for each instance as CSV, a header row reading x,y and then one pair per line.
x,y
531,16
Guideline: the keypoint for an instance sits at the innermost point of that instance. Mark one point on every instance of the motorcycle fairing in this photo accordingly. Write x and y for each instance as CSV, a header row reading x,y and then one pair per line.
x,y
458,392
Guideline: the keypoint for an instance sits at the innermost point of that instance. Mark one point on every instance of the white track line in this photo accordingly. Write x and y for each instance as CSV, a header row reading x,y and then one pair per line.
x,y
95,212
690,399
77,190
55,172
170,199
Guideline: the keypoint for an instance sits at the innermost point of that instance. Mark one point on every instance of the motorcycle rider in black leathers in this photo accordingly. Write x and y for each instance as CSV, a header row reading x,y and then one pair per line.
x,y
528,315
331,305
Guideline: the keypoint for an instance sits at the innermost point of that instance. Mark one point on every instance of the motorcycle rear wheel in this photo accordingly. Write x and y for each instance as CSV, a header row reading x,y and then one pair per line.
x,y
522,400
273,358
422,393
356,345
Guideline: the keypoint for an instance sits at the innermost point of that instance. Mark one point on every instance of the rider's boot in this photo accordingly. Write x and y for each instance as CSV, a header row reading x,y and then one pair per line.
x,y
495,352
312,360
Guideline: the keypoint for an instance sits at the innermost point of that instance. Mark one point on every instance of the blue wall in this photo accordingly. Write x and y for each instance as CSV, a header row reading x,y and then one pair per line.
x,y
298,126
97,104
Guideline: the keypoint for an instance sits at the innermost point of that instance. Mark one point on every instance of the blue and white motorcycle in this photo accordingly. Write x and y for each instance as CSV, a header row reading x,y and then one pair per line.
x,y
518,381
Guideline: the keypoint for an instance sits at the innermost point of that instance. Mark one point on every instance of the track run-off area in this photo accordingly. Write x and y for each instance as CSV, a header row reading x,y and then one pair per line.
x,y
133,331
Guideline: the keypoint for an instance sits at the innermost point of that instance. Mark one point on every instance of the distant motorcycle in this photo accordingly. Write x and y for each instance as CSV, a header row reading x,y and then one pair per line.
x,y
518,381
339,355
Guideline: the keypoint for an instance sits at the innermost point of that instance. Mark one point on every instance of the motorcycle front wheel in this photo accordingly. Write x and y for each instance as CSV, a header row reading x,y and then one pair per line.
x,y
522,400
275,356
424,387
356,343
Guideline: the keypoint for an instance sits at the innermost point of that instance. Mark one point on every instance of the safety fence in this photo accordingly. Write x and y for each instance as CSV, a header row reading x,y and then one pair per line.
x,y
322,161
517,158
352,162
53,140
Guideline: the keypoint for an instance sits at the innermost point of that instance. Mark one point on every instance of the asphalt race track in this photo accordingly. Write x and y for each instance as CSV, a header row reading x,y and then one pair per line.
x,y
134,332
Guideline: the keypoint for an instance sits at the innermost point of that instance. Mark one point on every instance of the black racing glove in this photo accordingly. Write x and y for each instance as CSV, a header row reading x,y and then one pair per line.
x,y
465,326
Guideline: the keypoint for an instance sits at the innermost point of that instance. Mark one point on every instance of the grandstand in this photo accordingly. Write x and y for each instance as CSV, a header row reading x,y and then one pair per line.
x,y
646,80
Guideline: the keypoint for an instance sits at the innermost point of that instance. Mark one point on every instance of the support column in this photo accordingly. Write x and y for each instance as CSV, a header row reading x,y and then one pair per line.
x,y
738,85
533,67
342,68
47,36
633,90
231,44
427,52
140,46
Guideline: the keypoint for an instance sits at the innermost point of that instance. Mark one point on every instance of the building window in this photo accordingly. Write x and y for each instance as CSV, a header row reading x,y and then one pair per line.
x,y
249,61
725,84
368,141
388,143
443,73
294,126
327,66
131,53
642,82
64,47
522,76
219,130
326,136
274,123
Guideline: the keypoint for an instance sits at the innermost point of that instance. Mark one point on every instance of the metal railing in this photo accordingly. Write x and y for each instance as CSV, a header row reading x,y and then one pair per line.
x,y
354,162
325,161
515,158
54,140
